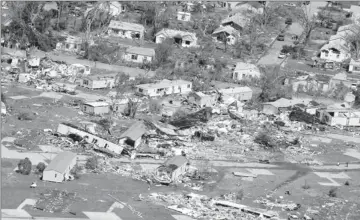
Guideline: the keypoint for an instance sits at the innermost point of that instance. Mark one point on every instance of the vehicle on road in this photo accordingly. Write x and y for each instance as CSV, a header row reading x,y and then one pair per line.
x,y
290,4
288,21
281,37
282,55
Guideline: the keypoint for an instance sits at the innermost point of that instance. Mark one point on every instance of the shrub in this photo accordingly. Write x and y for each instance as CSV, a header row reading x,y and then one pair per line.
x,y
155,106
25,116
40,167
264,139
75,171
240,194
332,192
24,166
92,163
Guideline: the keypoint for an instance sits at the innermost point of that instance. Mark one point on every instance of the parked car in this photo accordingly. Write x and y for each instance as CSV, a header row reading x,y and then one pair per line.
x,y
288,21
282,55
281,37
290,4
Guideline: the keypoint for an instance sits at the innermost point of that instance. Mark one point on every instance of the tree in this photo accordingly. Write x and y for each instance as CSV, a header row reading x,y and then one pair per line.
x,y
123,85
31,25
24,166
353,37
41,167
92,163
254,37
307,21
163,51
272,85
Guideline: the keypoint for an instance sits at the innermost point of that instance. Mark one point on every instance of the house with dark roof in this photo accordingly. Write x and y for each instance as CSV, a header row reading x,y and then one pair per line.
x,y
126,30
133,135
59,168
139,54
237,21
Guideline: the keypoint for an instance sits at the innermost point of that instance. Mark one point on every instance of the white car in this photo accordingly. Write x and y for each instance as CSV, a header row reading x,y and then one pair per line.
x,y
282,55
290,4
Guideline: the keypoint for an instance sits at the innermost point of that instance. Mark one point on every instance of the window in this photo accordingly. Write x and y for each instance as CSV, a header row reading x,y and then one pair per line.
x,y
106,146
188,85
141,90
243,75
84,108
55,175
356,68
134,57
137,35
187,42
94,141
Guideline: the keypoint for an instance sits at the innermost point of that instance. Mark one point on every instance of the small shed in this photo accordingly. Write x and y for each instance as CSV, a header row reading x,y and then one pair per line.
x,y
201,99
180,165
59,168
133,135
96,108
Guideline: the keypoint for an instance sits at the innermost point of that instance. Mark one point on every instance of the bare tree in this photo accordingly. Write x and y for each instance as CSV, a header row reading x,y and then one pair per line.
x,y
307,21
353,38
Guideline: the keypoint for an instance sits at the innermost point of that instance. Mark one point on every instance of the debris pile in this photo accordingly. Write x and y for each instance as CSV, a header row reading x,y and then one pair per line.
x,y
201,206
55,201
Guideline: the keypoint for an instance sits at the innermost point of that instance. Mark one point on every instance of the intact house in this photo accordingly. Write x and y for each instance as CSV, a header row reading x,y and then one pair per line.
x,y
183,16
339,116
164,87
98,142
133,135
335,51
139,54
71,44
226,33
59,168
179,165
280,105
239,93
96,108
126,30
101,81
354,66
238,21
245,71
183,38
203,100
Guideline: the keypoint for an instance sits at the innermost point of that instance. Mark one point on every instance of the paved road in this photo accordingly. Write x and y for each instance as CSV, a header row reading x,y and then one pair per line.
x,y
271,57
